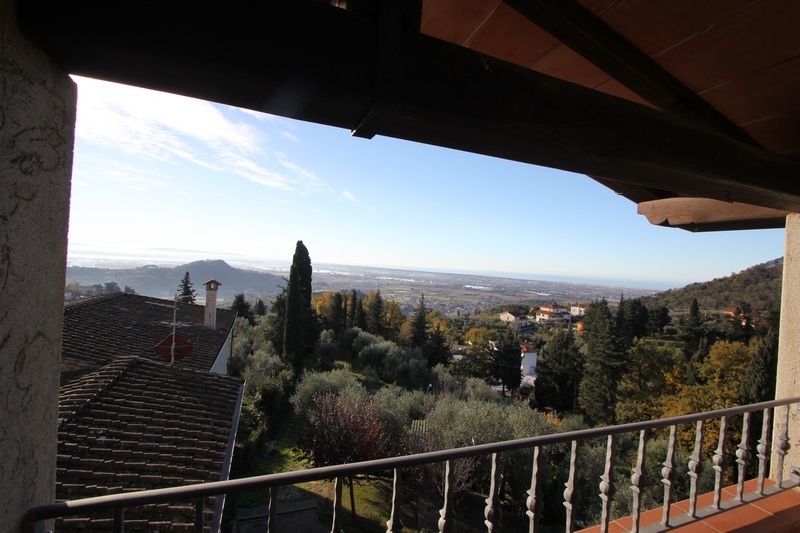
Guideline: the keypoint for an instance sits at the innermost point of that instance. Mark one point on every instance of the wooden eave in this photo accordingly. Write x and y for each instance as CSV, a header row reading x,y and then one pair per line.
x,y
579,86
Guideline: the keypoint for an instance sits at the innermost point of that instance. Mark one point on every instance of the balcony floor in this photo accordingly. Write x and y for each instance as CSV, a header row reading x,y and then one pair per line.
x,y
776,513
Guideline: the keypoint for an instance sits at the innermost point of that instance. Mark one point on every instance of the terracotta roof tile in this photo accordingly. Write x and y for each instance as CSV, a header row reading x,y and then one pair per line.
x,y
98,330
116,435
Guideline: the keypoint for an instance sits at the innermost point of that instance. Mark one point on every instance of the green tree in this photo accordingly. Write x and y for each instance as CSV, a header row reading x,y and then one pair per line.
x,y
480,359
632,320
659,318
559,370
186,294
352,304
276,322
260,308
393,320
295,326
646,385
360,316
419,325
111,287
301,261
438,349
507,368
604,364
243,308
374,312
758,382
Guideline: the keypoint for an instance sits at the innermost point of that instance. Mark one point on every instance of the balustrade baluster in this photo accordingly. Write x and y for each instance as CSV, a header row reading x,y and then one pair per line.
x,y
199,519
272,519
534,501
119,520
763,449
782,444
695,468
394,524
447,520
743,455
636,481
719,462
571,498
493,513
607,485
668,475
336,527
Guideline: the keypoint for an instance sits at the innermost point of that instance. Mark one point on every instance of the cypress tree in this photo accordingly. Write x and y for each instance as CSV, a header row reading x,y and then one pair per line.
x,y
419,325
352,309
295,324
374,314
360,316
302,261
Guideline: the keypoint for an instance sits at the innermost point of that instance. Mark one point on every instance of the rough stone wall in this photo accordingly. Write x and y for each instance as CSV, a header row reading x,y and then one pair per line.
x,y
37,122
788,377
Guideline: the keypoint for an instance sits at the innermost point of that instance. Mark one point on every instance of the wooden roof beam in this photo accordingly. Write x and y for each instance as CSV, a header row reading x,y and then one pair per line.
x,y
581,30
702,214
310,61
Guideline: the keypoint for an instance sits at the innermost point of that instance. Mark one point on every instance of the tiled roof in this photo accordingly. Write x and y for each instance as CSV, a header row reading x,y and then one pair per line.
x,y
99,329
139,424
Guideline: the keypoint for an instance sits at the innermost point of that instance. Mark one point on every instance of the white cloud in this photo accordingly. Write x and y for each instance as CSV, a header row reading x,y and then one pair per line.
x,y
310,181
126,176
349,196
163,127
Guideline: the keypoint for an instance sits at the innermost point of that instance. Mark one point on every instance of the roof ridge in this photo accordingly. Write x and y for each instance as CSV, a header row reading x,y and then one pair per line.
x,y
93,299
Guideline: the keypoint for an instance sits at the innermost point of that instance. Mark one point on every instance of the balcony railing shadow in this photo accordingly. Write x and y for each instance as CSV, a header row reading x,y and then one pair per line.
x,y
697,508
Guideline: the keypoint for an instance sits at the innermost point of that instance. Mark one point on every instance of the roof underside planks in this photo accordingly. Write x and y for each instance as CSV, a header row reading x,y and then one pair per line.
x,y
719,80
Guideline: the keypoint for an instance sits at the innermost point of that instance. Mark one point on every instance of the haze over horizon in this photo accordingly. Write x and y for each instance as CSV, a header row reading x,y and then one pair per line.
x,y
175,257
155,173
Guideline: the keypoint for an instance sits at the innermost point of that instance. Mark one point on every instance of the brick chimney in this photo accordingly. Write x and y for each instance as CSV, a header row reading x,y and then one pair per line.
x,y
211,286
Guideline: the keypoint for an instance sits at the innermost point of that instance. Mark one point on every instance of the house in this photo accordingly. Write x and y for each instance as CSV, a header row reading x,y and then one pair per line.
x,y
578,309
130,419
528,364
513,320
670,105
98,329
138,424
508,318
553,308
543,315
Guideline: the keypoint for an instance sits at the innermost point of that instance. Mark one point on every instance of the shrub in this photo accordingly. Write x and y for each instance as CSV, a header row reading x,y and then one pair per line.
x,y
318,383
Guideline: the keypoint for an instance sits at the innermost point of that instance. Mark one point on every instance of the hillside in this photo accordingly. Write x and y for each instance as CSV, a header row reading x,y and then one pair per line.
x,y
759,285
162,282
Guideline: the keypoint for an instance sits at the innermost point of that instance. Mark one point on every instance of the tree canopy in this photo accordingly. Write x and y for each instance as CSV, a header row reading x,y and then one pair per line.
x,y
186,294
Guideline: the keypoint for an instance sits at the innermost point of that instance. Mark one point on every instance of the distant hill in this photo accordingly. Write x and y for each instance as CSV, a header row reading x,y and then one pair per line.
x,y
758,285
162,282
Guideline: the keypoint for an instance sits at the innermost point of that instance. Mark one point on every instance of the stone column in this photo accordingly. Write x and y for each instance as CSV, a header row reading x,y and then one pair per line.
x,y
788,378
37,123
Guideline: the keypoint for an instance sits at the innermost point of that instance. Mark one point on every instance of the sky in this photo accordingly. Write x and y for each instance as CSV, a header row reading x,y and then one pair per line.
x,y
159,176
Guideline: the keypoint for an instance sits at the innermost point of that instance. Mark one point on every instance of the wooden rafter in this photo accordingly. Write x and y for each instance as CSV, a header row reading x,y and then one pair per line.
x,y
702,214
310,61
572,24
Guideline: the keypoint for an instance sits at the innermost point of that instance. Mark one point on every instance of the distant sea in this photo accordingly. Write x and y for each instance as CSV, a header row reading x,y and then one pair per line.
x,y
85,256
